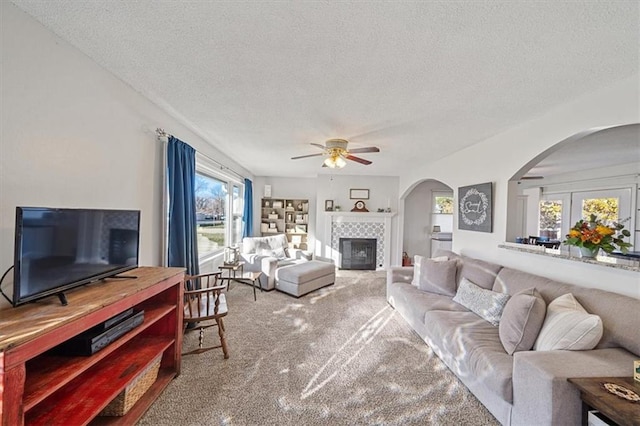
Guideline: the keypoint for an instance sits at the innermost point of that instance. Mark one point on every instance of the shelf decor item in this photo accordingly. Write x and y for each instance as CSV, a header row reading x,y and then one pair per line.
x,y
593,235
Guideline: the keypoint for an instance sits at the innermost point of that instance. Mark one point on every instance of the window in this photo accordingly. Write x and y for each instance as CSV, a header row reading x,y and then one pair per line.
x,y
559,211
442,202
551,218
608,205
211,197
219,209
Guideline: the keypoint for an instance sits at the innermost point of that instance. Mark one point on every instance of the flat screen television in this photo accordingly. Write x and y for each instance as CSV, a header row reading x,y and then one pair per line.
x,y
57,249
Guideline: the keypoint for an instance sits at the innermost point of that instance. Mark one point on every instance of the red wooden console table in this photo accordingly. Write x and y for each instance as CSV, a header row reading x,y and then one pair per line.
x,y
38,387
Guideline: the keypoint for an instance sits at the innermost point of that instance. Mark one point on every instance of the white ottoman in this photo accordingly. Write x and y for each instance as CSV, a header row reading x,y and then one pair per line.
x,y
302,278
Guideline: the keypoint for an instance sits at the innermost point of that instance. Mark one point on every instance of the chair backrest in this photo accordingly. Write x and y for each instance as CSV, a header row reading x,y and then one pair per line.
x,y
203,297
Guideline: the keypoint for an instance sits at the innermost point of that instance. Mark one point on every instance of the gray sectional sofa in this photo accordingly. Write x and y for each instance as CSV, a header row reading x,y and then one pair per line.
x,y
530,386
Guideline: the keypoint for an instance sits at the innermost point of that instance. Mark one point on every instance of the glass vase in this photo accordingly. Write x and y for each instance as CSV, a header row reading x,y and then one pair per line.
x,y
588,253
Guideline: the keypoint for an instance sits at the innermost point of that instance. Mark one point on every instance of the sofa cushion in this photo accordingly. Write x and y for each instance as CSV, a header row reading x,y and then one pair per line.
x,y
438,277
471,347
521,320
482,273
603,303
485,303
279,253
568,326
419,267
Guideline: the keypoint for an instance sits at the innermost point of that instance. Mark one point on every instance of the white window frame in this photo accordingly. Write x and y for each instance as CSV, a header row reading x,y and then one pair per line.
x,y
573,197
207,167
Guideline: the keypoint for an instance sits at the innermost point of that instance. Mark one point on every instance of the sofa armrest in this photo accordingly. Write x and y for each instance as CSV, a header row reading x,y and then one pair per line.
x,y
541,393
400,274
265,264
301,254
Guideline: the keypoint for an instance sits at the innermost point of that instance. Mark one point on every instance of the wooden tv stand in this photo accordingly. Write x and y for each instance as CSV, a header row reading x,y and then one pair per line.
x,y
38,387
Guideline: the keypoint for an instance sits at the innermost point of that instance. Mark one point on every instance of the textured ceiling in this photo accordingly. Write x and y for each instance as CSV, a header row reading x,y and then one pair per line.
x,y
420,80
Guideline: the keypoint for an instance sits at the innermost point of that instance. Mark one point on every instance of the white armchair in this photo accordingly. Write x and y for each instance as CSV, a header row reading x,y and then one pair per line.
x,y
267,254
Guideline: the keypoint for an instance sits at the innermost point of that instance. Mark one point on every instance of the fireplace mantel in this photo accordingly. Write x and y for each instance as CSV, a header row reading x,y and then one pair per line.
x,y
342,222
360,214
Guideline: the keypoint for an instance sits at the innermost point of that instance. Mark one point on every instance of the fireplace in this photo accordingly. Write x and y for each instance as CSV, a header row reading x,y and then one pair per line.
x,y
358,253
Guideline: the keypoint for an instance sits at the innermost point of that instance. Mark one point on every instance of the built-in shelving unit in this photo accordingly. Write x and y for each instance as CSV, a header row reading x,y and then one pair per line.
x,y
286,215
40,386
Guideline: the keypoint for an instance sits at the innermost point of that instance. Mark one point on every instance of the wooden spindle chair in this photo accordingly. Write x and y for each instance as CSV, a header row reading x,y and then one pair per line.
x,y
204,302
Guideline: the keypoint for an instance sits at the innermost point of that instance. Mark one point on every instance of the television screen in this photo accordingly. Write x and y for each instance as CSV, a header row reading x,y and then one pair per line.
x,y
57,249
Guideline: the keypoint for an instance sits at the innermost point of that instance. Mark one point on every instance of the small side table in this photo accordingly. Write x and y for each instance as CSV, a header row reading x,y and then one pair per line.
x,y
251,278
232,270
595,397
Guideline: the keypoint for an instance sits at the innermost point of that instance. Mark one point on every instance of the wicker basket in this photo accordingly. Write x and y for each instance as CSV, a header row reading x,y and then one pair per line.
x,y
134,390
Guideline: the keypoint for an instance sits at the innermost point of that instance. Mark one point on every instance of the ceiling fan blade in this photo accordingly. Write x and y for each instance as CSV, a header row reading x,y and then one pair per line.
x,y
305,156
363,150
318,145
358,159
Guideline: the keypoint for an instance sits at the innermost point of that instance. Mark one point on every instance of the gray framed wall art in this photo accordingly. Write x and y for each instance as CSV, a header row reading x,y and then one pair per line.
x,y
475,207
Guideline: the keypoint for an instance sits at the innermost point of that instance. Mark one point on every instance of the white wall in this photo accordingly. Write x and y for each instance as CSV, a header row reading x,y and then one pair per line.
x,y
418,220
383,193
497,159
73,135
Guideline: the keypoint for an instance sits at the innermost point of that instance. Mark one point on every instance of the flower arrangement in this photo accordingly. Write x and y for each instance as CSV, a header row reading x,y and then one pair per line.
x,y
594,235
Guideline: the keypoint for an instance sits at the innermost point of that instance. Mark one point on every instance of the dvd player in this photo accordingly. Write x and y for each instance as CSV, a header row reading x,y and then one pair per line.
x,y
96,338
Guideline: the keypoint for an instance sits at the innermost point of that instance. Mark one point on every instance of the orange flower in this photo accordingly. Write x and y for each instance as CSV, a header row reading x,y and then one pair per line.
x,y
604,230
596,239
574,233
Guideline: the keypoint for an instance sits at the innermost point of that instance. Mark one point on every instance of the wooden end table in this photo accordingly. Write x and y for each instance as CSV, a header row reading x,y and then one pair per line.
x,y
232,271
595,397
236,273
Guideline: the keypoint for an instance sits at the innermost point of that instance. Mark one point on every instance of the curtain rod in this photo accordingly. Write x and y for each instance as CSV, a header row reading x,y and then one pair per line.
x,y
163,134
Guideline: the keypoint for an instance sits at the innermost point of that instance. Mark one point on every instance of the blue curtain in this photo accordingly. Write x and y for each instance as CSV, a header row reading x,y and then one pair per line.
x,y
181,172
247,216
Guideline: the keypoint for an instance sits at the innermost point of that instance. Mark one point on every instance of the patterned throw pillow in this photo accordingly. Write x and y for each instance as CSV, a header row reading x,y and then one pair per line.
x,y
485,303
568,326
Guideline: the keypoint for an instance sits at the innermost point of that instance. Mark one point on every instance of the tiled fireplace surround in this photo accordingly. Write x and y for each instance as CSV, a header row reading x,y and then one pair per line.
x,y
361,225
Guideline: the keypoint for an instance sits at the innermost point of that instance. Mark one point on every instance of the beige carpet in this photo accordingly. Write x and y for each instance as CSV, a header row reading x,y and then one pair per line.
x,y
337,356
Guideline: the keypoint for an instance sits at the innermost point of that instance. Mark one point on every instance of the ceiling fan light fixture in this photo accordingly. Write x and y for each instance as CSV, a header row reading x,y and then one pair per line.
x,y
335,162
330,162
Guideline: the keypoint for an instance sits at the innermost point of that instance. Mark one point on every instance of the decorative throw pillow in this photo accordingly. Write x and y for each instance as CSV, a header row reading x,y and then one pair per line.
x,y
439,277
419,267
485,303
568,326
521,320
278,253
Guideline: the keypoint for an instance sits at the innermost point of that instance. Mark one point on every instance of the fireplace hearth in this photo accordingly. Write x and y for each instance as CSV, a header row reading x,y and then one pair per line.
x,y
358,253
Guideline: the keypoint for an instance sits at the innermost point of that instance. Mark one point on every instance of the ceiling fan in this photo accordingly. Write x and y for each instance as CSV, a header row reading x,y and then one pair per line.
x,y
337,152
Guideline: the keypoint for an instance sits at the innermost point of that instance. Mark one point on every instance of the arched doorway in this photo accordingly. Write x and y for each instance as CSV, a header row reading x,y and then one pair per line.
x,y
428,218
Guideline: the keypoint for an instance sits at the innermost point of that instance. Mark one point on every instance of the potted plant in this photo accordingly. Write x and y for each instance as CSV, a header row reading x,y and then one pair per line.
x,y
593,235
